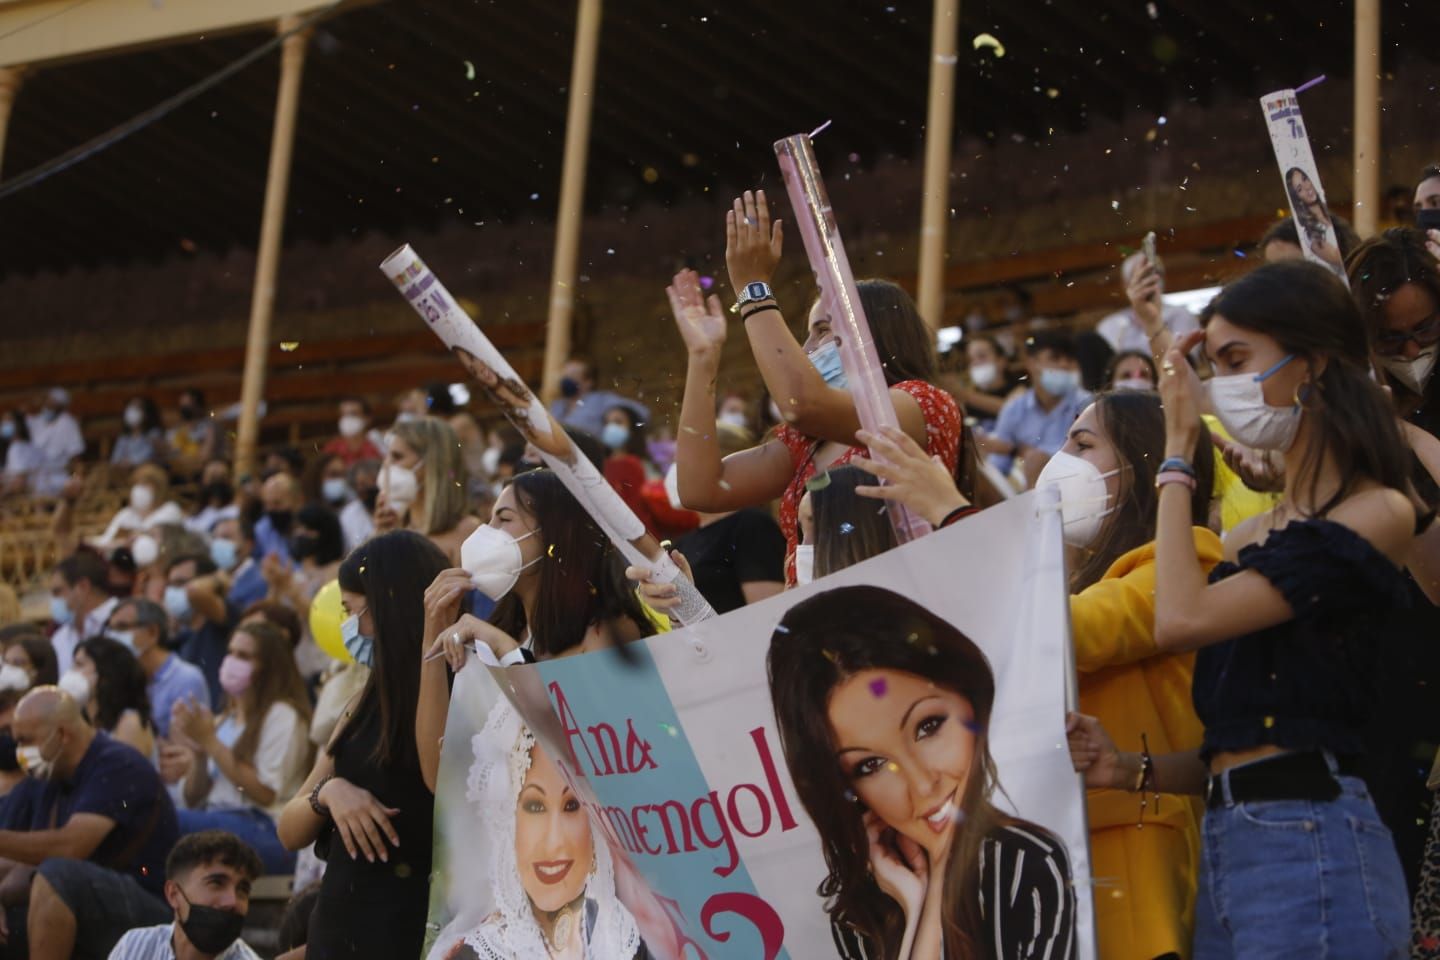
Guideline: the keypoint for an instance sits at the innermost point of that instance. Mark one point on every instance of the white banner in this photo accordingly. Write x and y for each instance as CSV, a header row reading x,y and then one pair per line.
x,y
1313,222
727,789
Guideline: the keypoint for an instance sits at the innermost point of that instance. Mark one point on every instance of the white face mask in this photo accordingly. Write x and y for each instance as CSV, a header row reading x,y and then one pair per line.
x,y
400,485
490,460
134,416
493,559
14,678
1084,498
142,497
985,375
74,683
1239,401
1413,374
33,762
736,418
352,426
804,563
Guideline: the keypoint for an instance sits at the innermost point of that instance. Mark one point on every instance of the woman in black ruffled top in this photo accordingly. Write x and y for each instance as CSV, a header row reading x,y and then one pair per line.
x,y
1295,860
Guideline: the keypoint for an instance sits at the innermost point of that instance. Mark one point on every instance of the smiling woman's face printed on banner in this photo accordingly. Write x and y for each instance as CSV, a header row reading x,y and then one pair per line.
x,y
907,748
554,849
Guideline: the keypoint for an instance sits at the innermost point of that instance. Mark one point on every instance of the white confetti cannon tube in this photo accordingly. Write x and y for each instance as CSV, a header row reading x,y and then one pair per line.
x,y
1313,221
429,298
841,301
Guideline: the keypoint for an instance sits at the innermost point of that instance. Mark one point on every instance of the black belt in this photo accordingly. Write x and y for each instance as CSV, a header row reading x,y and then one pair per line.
x,y
1288,776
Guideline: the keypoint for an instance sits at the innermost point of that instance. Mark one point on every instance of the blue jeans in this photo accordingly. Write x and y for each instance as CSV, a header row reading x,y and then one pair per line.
x,y
251,825
1300,879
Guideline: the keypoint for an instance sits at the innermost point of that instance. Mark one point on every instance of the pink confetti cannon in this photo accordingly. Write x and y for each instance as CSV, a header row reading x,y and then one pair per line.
x,y
840,299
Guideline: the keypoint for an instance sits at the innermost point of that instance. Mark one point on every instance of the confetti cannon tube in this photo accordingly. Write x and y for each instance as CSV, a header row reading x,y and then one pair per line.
x,y
455,328
840,299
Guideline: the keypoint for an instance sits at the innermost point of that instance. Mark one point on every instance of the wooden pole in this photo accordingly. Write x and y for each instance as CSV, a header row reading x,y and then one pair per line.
x,y
272,225
11,79
572,197
939,124
1366,211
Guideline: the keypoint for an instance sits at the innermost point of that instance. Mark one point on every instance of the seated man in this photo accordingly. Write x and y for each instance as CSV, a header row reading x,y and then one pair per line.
x,y
94,818
207,883
144,627
1034,424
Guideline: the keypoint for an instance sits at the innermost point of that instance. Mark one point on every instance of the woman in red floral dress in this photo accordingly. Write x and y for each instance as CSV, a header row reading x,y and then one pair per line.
x,y
806,382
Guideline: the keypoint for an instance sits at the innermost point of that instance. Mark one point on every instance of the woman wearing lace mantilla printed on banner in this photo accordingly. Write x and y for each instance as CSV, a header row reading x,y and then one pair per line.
x,y
515,398
553,888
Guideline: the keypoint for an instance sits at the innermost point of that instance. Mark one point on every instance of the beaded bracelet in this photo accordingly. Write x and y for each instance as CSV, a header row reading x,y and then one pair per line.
x,y
320,809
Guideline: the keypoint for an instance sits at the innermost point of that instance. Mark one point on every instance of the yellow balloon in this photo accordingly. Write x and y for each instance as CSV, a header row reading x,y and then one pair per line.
x,y
326,615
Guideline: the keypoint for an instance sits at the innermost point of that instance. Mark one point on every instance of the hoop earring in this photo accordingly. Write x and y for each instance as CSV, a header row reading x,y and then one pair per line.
x,y
1303,393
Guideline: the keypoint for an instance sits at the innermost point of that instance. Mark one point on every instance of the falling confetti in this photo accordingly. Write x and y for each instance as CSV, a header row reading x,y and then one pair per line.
x,y
847,528
469,70
987,40
878,686
288,346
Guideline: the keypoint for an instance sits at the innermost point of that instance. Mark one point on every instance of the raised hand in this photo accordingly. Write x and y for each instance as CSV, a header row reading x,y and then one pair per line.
x,y
1180,394
701,322
1144,293
442,602
922,483
752,244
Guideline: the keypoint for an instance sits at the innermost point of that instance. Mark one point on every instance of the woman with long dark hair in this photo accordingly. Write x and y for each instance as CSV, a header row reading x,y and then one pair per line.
x,y
886,739
806,380
117,700
246,761
1313,218
365,804
1296,860
559,586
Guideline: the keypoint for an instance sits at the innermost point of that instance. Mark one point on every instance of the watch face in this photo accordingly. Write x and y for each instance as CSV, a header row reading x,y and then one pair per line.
x,y
756,291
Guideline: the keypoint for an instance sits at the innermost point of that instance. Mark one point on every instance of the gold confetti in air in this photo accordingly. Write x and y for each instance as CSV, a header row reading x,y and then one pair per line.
x,y
987,40
288,346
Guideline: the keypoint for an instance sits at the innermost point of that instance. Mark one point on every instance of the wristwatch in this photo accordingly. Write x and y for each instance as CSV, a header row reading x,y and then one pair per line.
x,y
759,290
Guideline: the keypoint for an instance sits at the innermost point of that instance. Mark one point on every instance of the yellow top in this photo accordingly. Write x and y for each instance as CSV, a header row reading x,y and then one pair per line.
x,y
1237,501
1145,878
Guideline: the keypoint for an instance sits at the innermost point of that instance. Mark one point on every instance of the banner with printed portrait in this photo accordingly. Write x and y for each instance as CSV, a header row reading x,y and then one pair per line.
x,y
1313,221
854,768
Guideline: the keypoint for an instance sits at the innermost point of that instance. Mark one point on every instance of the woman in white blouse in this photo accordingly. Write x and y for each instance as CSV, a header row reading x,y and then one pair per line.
x,y
150,506
244,764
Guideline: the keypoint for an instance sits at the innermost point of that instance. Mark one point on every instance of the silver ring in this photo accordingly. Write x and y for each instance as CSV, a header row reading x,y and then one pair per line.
x,y
455,637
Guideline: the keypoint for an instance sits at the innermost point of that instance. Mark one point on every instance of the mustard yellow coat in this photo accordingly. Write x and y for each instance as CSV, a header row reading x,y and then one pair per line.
x,y
1144,878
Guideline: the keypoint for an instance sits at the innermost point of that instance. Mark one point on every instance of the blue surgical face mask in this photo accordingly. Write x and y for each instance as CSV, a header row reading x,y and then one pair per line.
x,y
826,360
124,637
224,553
335,490
359,646
177,603
615,435
59,611
1058,382
7,429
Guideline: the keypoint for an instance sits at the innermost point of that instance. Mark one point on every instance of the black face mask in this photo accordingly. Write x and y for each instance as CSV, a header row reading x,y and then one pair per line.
x,y
280,520
187,412
569,387
212,930
370,498
304,545
8,762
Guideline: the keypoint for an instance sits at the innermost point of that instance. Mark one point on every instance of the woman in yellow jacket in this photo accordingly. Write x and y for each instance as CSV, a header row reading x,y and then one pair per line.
x,y
1144,878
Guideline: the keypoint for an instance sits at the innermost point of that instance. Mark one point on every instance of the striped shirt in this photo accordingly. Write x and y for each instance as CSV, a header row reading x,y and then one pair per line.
x,y
157,943
1027,901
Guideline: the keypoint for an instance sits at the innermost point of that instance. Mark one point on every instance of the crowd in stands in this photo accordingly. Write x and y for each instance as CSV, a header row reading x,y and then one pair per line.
x,y
1247,498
